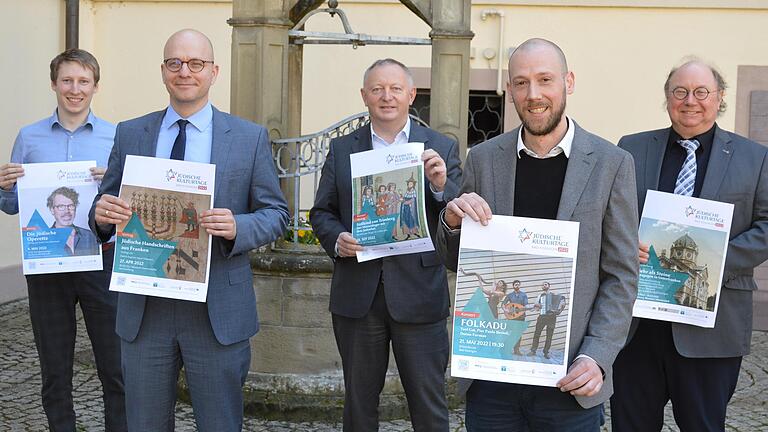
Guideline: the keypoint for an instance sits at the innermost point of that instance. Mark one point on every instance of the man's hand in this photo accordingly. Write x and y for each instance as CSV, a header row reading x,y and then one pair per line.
x,y
643,253
98,173
468,204
434,168
8,175
346,245
584,378
219,222
111,210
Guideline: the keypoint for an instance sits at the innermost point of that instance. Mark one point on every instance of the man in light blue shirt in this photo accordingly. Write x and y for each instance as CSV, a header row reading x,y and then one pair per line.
x,y
72,133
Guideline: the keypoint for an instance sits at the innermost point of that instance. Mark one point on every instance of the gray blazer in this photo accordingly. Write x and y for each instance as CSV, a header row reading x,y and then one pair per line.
x,y
599,193
736,174
246,183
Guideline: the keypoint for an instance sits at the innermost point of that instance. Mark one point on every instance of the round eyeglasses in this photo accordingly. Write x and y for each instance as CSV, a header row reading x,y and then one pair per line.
x,y
700,93
194,65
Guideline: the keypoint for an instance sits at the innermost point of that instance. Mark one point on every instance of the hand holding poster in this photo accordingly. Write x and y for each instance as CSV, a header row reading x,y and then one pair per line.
x,y
514,288
54,199
688,240
162,250
388,211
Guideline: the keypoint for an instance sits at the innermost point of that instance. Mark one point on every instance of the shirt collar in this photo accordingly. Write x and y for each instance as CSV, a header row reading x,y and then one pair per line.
x,y
564,146
54,119
200,120
406,131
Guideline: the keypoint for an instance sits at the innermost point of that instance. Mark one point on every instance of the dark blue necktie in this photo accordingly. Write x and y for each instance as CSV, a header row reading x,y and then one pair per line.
x,y
177,152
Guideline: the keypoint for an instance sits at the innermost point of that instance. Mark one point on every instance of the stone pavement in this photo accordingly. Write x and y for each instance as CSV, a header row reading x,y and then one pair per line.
x,y
20,408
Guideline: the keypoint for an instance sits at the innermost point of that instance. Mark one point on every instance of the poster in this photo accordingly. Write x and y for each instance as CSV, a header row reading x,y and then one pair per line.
x,y
514,291
688,240
162,251
54,201
388,208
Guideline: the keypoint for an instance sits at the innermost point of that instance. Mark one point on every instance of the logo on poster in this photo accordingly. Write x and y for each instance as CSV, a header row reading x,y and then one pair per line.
x,y
705,217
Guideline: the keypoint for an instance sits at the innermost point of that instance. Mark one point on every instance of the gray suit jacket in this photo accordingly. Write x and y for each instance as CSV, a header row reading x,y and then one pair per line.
x,y
736,174
246,183
599,193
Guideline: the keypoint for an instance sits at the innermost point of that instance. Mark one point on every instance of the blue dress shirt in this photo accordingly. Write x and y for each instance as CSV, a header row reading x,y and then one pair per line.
x,y
48,141
199,135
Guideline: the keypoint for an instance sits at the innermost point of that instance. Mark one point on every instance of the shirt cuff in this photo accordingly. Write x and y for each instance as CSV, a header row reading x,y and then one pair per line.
x,y
445,225
438,195
586,356
336,250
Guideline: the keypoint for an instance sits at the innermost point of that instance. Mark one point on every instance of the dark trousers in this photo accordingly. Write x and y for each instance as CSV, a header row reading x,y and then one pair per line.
x,y
421,353
548,321
502,407
517,344
52,300
649,372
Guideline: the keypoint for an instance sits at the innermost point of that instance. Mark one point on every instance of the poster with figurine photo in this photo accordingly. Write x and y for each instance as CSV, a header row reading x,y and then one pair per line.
x,y
514,291
388,208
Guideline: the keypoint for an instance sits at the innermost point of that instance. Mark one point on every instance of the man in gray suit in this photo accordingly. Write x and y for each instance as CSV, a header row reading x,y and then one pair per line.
x,y
695,367
551,168
403,299
209,339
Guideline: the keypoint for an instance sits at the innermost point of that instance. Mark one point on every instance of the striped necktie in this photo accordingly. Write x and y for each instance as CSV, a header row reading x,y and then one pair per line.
x,y
686,179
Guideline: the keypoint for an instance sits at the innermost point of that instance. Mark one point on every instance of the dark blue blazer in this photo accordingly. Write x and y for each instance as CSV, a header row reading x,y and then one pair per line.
x,y
246,183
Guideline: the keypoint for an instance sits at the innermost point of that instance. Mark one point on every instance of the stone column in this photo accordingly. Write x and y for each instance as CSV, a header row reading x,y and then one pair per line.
x,y
449,99
260,71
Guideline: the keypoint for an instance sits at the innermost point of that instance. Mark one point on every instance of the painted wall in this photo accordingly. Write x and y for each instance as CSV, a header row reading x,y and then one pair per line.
x,y
31,34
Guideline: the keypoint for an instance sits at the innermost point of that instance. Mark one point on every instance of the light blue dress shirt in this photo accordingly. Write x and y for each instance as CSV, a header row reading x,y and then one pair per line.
x,y
48,141
199,135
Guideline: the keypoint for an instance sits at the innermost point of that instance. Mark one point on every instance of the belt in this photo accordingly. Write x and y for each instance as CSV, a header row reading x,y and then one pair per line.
x,y
107,246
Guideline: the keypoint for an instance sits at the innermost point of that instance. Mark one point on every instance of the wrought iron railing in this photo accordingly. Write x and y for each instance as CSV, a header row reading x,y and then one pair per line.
x,y
302,157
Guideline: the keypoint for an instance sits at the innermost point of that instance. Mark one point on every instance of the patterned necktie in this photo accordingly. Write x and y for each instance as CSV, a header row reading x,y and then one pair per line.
x,y
686,179
180,144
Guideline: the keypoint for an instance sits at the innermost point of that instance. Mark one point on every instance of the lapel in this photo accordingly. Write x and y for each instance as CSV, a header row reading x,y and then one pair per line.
x,y
581,161
719,158
221,146
654,157
362,139
148,142
504,160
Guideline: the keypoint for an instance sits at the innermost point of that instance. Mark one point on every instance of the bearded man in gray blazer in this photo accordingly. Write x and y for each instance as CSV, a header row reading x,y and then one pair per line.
x,y
551,168
209,339
697,368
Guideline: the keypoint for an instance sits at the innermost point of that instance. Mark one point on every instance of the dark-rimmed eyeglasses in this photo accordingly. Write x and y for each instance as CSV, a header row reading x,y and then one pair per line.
x,y
700,93
194,65
62,207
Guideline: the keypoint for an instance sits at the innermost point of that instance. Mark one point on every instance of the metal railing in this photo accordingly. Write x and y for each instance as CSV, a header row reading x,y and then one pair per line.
x,y
297,158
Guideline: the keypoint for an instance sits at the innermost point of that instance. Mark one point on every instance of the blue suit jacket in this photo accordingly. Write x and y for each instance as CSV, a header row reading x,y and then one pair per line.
x,y
415,285
246,183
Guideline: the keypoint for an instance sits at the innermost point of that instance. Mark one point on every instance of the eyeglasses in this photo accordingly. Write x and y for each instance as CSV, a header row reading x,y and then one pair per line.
x,y
194,65
62,207
700,93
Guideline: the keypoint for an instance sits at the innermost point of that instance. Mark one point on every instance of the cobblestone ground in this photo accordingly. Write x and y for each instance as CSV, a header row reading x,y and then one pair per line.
x,y
20,408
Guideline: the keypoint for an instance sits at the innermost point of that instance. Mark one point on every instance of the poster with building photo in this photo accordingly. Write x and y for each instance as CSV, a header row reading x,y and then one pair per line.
x,y
54,201
688,240
162,251
514,286
388,210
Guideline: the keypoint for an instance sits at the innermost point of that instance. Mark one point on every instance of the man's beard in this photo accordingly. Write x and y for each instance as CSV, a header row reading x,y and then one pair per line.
x,y
549,126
